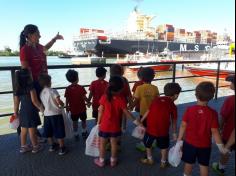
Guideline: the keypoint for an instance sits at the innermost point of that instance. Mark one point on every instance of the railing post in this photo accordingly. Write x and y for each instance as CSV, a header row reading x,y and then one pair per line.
x,y
13,79
217,80
174,72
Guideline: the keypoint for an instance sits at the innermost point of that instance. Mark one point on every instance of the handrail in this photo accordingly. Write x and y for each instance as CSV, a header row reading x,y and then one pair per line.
x,y
12,69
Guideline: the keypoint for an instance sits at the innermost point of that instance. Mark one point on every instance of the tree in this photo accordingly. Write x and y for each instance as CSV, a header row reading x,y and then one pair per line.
x,y
7,49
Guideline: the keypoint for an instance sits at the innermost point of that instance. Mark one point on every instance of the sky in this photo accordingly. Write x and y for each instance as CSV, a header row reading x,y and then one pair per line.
x,y
68,16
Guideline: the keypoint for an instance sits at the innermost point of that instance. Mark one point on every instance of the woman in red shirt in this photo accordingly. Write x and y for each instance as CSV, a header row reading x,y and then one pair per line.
x,y
33,54
112,107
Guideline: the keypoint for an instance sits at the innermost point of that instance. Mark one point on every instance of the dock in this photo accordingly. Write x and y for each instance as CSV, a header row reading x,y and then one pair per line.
x,y
76,163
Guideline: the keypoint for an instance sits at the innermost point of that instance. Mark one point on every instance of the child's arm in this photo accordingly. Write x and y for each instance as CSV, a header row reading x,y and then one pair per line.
x,y
231,140
87,101
35,100
133,103
59,102
67,105
174,128
221,122
129,115
56,98
16,105
145,116
90,96
182,130
216,135
100,112
174,116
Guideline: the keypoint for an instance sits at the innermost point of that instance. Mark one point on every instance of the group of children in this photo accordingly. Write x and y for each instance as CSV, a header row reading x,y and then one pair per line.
x,y
112,102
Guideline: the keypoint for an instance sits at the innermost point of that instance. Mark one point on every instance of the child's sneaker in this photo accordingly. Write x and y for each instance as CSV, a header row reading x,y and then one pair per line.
x,y
53,147
147,161
84,135
164,165
25,148
113,162
99,163
140,147
37,148
76,137
62,151
215,167
42,140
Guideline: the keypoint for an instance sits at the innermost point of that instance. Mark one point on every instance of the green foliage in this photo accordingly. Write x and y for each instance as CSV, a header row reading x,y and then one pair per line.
x,y
54,53
8,52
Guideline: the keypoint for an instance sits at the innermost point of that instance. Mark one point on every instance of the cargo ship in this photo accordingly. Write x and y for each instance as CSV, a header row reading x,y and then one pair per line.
x,y
139,36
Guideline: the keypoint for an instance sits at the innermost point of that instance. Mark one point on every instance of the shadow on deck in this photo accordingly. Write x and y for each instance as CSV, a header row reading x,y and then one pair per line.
x,y
77,163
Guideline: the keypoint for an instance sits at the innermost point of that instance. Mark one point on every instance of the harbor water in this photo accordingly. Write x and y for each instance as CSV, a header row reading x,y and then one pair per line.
x,y
87,75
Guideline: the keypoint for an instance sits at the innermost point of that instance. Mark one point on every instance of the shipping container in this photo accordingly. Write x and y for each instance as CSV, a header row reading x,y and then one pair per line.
x,y
98,30
84,30
197,40
103,38
169,26
209,40
170,30
170,34
182,31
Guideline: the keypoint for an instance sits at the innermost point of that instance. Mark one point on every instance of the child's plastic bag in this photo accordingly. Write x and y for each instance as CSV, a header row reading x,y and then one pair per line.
x,y
68,124
175,154
14,122
138,132
92,143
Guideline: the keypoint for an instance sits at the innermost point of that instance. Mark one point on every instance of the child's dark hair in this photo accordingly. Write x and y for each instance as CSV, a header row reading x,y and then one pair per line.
x,y
116,84
205,91
28,29
139,73
23,82
101,72
147,74
231,78
116,70
172,89
72,76
45,80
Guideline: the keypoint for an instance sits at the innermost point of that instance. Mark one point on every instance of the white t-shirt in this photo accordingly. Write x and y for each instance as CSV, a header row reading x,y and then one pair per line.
x,y
48,96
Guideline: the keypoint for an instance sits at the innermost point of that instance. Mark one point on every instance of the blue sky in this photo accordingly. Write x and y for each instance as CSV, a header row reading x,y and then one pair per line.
x,y
68,16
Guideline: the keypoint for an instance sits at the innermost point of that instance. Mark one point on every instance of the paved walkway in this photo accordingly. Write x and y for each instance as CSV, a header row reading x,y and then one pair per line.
x,y
75,163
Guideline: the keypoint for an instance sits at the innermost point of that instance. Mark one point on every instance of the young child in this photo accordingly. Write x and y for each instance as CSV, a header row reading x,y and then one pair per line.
x,y
75,103
136,84
97,89
26,97
118,70
112,106
53,119
161,114
227,126
144,95
199,124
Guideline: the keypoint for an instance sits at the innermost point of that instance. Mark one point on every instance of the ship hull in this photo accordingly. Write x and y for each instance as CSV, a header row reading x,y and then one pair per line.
x,y
154,67
115,47
209,73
